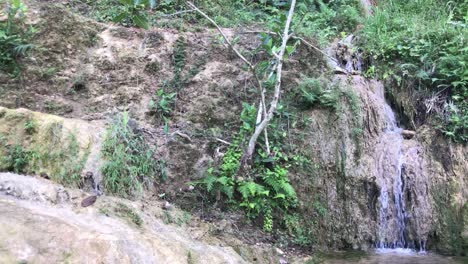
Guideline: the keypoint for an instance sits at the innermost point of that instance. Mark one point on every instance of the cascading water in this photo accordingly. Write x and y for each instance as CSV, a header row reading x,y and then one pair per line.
x,y
403,205
392,212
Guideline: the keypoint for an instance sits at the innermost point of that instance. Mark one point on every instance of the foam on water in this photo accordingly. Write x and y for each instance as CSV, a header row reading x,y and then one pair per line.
x,y
399,251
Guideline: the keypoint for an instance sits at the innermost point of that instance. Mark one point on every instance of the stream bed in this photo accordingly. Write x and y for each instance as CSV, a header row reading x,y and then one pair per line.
x,y
390,256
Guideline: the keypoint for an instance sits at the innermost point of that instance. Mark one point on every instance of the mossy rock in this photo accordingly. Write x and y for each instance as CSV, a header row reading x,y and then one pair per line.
x,y
42,144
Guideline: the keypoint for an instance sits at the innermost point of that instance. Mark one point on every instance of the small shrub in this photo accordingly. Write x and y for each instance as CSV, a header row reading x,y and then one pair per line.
x,y
163,104
311,90
17,158
30,126
300,232
129,162
318,92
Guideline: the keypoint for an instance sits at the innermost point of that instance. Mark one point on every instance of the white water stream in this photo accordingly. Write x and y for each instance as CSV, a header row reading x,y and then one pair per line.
x,y
392,206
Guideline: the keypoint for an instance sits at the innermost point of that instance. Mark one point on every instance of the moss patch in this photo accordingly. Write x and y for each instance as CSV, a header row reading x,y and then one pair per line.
x,y
34,143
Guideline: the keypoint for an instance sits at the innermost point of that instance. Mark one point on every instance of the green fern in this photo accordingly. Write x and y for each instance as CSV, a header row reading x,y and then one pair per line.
x,y
209,182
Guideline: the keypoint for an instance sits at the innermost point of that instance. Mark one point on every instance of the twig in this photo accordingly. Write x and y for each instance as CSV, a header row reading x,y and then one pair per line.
x,y
180,12
223,141
181,135
117,82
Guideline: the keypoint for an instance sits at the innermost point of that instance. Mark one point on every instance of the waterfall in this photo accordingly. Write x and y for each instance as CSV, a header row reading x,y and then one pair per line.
x,y
403,216
392,212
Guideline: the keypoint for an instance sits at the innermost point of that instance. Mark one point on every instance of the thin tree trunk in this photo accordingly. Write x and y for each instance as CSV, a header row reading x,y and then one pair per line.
x,y
247,155
267,116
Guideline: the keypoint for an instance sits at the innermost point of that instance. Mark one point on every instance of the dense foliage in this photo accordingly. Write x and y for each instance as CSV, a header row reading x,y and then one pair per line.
x,y
14,36
421,46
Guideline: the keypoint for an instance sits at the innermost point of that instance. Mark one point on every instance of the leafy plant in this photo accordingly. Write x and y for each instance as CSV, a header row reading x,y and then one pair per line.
x,y
14,38
129,162
301,233
218,184
164,104
133,13
30,126
16,159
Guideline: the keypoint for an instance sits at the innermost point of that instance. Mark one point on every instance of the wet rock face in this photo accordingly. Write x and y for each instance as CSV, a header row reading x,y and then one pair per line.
x,y
33,230
419,210
405,186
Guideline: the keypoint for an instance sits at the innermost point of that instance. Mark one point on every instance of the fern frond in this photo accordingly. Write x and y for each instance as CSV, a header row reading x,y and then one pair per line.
x,y
21,50
209,181
228,190
288,189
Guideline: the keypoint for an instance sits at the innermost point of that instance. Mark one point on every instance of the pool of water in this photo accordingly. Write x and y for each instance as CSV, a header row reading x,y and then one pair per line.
x,y
390,256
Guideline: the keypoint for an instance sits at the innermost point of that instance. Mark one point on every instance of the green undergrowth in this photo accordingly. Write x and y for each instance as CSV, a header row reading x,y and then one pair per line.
x,y
30,146
163,102
264,192
319,19
129,163
420,48
15,36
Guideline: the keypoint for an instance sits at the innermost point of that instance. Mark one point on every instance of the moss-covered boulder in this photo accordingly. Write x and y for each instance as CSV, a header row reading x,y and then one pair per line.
x,y
64,150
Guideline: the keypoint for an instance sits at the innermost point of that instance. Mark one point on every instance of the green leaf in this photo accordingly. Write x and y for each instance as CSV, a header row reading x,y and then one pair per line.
x,y
280,195
290,49
140,21
120,17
